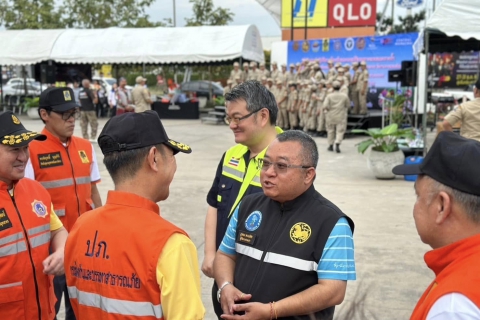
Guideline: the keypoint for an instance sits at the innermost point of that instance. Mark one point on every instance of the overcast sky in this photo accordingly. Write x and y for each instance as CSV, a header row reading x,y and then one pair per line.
x,y
246,12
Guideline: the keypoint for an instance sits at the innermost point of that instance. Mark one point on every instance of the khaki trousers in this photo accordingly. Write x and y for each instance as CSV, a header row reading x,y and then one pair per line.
x,y
87,117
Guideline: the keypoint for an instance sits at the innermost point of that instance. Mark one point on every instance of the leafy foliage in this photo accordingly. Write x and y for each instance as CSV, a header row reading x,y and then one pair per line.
x,y
30,14
205,14
384,140
31,103
408,23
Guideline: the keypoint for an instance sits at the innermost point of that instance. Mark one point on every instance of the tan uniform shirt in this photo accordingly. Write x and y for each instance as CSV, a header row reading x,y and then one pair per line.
x,y
244,76
140,97
254,75
274,74
348,75
234,73
469,114
344,89
292,100
362,78
291,76
332,73
337,105
265,73
319,76
279,95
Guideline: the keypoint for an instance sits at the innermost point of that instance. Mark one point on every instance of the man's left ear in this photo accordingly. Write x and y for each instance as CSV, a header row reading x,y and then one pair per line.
x,y
444,207
310,175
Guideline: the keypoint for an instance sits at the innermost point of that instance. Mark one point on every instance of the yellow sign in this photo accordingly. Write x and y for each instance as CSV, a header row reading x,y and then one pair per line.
x,y
107,70
316,12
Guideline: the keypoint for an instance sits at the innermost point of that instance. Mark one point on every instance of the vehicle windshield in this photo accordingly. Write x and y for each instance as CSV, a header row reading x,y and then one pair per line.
x,y
111,81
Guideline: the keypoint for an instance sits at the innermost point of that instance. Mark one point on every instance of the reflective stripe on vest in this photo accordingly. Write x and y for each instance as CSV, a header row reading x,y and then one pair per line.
x,y
290,262
237,175
275,258
32,231
9,285
83,180
11,238
13,249
122,307
248,251
57,183
40,240
60,212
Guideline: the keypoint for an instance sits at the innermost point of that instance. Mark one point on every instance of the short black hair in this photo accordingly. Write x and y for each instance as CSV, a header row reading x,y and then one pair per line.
x,y
123,165
309,147
256,96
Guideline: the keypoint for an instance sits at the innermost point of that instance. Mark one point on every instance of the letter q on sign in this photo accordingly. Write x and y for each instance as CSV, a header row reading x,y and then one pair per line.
x,y
351,13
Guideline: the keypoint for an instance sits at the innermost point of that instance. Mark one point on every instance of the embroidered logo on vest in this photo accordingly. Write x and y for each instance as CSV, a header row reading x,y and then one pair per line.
x,y
300,232
83,156
253,221
39,208
101,245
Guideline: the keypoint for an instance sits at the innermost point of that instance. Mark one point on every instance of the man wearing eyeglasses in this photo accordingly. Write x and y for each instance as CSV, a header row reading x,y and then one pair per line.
x,y
288,252
251,114
66,166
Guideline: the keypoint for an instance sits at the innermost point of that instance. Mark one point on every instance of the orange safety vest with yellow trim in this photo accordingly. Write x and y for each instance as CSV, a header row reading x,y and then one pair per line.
x,y
65,173
456,270
111,257
26,293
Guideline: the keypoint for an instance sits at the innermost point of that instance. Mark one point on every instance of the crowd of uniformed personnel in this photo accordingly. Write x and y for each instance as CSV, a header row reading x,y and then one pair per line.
x,y
302,91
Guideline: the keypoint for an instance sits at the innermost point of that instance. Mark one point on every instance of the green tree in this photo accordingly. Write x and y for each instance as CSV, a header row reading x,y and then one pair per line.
x,y
205,14
408,23
30,14
109,13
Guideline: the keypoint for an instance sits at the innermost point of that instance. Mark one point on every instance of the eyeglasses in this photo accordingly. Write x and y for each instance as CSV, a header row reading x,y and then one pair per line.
x,y
279,167
236,120
67,115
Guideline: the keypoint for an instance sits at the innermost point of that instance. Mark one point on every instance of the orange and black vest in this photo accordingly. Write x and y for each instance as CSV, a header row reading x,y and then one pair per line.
x,y
65,173
111,257
456,270
25,291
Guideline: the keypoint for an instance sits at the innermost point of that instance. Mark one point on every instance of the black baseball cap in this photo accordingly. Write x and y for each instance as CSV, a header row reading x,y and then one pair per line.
x,y
13,133
58,99
132,130
453,161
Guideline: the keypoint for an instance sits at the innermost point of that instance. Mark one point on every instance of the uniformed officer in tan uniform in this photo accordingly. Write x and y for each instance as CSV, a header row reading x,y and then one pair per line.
x,y
319,75
354,88
343,86
306,98
237,81
332,72
244,76
228,88
141,96
263,72
347,74
275,72
236,71
253,74
336,105
337,66
281,95
263,80
341,74
292,105
283,75
362,87
321,126
311,117
270,85
468,114
291,73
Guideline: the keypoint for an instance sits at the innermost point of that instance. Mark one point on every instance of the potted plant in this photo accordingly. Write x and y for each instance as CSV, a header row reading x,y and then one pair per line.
x,y
31,107
385,152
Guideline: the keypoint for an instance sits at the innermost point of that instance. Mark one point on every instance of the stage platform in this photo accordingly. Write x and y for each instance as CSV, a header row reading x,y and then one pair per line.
x,y
373,119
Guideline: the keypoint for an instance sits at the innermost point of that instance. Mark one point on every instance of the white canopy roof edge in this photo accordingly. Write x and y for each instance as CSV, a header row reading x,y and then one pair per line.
x,y
132,45
457,18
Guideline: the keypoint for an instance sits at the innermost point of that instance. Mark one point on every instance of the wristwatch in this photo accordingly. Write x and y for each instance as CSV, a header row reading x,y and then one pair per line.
x,y
219,292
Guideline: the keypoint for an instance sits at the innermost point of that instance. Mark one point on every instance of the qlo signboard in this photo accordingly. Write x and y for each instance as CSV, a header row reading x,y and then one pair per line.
x,y
352,13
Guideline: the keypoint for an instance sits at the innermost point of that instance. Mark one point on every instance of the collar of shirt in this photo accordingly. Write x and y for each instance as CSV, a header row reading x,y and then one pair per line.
x,y
131,200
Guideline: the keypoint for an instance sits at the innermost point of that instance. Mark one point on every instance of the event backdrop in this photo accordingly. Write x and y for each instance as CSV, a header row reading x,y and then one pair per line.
x,y
453,69
382,53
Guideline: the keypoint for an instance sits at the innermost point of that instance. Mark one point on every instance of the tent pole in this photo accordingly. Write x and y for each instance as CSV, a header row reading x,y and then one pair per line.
x,y
1,86
425,112
306,19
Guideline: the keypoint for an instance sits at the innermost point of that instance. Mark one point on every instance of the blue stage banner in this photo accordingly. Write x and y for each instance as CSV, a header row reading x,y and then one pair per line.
x,y
382,54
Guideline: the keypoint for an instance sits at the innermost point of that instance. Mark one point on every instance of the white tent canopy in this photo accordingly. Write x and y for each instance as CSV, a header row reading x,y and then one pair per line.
x,y
188,45
274,7
457,18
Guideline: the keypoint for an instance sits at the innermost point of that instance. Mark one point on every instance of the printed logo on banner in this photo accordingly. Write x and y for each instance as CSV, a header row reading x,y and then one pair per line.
x,y
337,45
312,12
349,44
361,43
326,45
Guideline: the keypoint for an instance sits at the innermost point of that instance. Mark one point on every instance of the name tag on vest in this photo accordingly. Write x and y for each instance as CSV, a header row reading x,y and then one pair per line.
x,y
5,222
49,160
247,238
